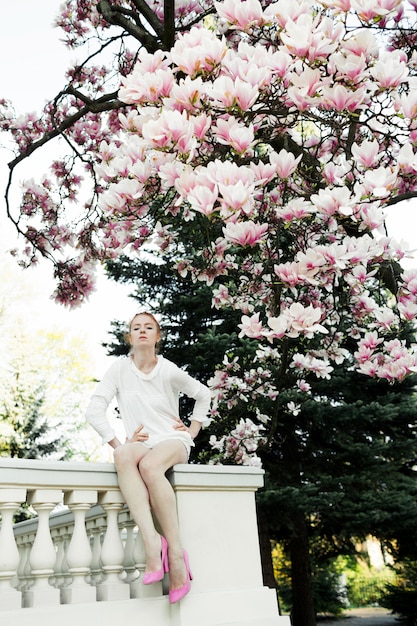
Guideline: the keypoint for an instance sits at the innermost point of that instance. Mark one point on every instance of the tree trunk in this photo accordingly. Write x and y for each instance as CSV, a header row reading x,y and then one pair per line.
x,y
303,613
265,547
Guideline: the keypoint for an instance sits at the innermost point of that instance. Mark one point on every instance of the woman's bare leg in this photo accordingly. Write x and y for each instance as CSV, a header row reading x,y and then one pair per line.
x,y
142,481
126,459
152,468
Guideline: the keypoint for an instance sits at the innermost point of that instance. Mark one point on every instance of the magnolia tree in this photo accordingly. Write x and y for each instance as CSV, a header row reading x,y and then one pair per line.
x,y
278,132
282,130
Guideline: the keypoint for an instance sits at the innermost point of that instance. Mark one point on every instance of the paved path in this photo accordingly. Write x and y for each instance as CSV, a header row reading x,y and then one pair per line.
x,y
363,617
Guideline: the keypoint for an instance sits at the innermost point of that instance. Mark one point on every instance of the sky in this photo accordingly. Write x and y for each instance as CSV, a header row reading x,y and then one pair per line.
x,y
34,72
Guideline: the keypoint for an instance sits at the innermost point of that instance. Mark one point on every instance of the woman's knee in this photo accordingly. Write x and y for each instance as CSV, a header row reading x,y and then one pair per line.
x,y
123,457
150,469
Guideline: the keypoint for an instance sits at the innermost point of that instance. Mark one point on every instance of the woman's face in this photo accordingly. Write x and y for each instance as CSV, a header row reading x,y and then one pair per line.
x,y
144,331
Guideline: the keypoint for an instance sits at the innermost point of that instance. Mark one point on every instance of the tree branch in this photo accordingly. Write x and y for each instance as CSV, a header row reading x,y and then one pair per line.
x,y
114,16
105,103
169,24
150,17
408,195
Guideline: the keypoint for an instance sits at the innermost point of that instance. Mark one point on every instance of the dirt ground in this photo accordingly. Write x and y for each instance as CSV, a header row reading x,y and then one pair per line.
x,y
363,617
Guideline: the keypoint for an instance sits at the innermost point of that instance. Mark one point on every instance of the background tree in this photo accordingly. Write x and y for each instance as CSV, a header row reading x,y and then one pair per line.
x,y
24,431
45,378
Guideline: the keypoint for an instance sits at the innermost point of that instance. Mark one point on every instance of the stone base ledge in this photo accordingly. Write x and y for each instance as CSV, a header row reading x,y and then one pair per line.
x,y
249,608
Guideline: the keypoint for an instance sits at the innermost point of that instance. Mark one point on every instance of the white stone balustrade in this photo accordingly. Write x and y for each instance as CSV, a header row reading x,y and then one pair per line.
x,y
81,557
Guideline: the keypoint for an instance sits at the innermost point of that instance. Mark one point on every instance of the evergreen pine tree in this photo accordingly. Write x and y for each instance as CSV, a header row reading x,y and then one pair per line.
x,y
338,467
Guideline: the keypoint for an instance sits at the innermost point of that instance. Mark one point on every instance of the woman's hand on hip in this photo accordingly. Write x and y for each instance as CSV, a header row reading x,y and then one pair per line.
x,y
191,430
138,436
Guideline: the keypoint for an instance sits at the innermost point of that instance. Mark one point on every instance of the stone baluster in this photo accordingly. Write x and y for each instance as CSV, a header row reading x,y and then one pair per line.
x,y
43,554
112,551
61,537
97,530
25,544
129,564
79,554
10,598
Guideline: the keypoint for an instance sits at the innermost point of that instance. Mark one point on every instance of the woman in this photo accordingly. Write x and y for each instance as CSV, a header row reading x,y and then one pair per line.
x,y
147,386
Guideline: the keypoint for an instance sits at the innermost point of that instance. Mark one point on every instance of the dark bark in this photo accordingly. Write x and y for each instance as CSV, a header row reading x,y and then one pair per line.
x,y
265,547
303,613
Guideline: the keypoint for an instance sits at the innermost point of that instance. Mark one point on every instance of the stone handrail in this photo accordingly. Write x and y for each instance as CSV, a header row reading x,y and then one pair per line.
x,y
83,549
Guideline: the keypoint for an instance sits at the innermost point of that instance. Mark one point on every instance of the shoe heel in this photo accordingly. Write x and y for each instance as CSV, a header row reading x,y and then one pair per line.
x,y
154,577
187,565
175,595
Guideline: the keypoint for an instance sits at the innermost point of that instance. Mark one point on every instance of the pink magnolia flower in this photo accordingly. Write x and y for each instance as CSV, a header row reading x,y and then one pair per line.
x,y
243,14
391,69
202,199
251,327
367,153
245,233
284,10
201,124
407,159
311,37
221,297
186,95
198,50
351,67
342,5
368,10
119,195
236,198
292,273
248,67
232,133
295,209
342,99
285,162
408,310
170,129
306,362
230,92
409,278
407,103
148,87
278,325
359,274
385,318
307,82
362,42
304,320
337,200
380,181
226,173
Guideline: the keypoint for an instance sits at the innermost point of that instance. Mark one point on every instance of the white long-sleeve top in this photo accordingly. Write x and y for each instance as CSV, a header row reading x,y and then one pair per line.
x,y
148,399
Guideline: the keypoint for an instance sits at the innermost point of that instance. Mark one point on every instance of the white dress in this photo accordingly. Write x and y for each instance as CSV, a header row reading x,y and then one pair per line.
x,y
151,400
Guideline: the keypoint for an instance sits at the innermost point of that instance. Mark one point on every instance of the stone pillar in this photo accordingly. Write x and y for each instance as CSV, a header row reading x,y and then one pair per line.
x,y
42,557
112,551
79,553
217,516
10,499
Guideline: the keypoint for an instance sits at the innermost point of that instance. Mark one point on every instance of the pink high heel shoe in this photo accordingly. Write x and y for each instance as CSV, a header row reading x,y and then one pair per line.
x,y
175,595
155,577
